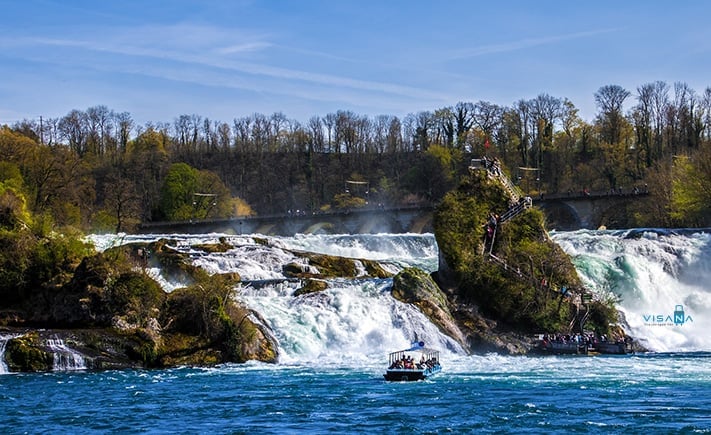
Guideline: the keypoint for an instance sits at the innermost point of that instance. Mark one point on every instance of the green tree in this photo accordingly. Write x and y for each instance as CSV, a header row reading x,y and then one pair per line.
x,y
691,190
188,193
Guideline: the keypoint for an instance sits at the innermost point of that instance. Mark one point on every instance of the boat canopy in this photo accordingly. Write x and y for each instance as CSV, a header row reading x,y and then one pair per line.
x,y
418,348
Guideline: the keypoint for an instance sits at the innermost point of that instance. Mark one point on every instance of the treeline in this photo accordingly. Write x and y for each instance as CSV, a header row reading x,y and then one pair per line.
x,y
99,169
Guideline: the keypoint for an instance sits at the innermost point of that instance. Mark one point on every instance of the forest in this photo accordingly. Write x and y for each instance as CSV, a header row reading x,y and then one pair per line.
x,y
99,170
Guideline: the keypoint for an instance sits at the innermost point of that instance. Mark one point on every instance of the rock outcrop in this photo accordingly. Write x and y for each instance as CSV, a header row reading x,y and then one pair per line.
x,y
415,286
506,280
116,316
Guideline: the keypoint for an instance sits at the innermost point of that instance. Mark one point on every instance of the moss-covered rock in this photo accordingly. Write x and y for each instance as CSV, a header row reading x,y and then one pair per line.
x,y
221,246
311,286
415,286
249,339
331,266
209,310
522,282
28,354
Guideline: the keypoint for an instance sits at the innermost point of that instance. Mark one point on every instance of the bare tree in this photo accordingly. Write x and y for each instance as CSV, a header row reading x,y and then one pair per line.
x,y
316,128
100,128
124,125
706,113
487,116
609,100
73,128
464,121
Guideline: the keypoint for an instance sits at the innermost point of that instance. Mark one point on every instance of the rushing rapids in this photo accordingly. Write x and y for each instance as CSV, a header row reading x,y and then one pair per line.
x,y
659,278
650,273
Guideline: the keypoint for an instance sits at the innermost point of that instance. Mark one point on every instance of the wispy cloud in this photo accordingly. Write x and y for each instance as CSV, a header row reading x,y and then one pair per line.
x,y
243,48
210,47
524,43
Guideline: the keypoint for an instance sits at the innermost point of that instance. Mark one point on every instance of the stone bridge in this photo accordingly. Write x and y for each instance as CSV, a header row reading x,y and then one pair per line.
x,y
563,212
588,210
411,219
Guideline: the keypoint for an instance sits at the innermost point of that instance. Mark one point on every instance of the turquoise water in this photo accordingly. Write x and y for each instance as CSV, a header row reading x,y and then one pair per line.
x,y
660,393
334,346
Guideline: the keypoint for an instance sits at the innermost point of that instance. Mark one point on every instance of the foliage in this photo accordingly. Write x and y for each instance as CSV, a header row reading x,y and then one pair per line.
x,y
136,296
33,254
203,308
188,193
98,164
346,201
691,193
54,256
602,316
14,213
523,286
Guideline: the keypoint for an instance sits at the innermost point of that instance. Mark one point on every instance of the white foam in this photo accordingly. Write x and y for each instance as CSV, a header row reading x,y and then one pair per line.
x,y
650,274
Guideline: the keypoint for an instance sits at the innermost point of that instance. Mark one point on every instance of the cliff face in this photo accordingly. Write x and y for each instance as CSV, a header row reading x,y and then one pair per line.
x,y
507,283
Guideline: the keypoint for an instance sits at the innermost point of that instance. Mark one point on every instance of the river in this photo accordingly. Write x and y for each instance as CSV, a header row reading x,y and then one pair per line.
x,y
333,349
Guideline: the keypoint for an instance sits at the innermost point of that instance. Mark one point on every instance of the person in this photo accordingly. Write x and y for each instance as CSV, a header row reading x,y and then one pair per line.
x,y
497,166
493,220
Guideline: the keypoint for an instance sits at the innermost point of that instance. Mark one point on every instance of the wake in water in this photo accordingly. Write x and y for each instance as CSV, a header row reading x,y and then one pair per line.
x,y
661,280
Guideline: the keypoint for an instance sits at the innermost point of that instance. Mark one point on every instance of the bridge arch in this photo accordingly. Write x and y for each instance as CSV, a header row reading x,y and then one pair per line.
x,y
561,216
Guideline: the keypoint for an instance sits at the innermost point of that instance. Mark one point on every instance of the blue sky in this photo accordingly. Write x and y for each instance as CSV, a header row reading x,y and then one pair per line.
x,y
227,59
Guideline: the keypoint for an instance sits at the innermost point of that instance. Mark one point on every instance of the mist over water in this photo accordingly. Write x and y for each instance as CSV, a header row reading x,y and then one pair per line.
x,y
660,278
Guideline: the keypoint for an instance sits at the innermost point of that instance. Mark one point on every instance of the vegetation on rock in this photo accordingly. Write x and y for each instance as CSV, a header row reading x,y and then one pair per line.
x,y
53,279
527,284
415,286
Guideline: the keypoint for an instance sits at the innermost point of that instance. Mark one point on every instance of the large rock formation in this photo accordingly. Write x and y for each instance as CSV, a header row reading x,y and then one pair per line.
x,y
505,285
414,286
115,315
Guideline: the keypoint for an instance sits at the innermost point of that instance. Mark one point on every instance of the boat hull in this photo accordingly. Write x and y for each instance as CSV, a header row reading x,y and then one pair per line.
x,y
560,348
405,375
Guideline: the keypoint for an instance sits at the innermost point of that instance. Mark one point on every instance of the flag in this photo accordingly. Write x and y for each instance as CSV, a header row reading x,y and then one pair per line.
x,y
486,144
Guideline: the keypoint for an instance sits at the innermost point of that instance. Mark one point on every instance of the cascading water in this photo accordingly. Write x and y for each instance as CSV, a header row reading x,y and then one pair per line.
x,y
348,321
653,274
661,280
3,343
65,358
351,319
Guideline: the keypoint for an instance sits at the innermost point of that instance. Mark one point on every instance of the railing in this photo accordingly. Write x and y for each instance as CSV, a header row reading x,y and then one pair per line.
x,y
494,168
514,211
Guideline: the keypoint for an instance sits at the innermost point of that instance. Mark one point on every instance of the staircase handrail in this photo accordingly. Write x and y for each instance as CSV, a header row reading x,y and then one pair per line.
x,y
516,209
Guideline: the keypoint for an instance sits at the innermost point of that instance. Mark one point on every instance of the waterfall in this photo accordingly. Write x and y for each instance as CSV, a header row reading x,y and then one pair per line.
x,y
659,279
350,321
3,343
65,358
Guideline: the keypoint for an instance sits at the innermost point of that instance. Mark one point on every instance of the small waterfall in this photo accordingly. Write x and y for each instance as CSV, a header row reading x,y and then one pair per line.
x,y
65,358
3,342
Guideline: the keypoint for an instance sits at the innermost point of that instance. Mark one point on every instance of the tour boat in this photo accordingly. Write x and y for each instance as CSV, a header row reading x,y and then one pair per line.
x,y
413,364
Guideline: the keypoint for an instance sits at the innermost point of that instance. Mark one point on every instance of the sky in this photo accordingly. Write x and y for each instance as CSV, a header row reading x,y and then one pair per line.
x,y
222,60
